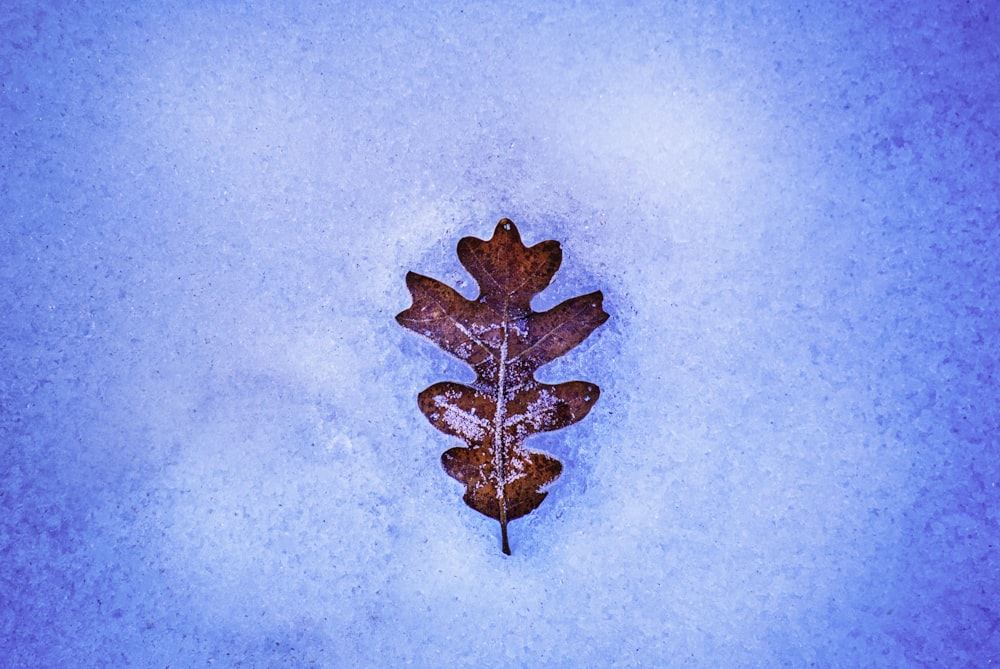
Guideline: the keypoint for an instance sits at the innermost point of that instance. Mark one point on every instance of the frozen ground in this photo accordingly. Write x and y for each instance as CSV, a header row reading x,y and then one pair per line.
x,y
211,450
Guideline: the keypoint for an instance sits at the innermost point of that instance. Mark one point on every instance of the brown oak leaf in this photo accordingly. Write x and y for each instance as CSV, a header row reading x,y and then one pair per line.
x,y
504,341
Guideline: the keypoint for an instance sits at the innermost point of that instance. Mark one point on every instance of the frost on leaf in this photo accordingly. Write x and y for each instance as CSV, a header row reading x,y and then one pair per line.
x,y
505,342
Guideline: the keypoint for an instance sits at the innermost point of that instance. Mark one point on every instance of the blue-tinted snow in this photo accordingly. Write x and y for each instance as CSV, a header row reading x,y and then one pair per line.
x,y
211,451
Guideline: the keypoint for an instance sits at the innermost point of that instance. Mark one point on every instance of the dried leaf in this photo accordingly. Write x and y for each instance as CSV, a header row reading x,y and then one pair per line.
x,y
505,342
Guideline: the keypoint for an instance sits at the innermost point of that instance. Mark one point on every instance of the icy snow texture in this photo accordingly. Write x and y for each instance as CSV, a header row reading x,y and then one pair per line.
x,y
211,450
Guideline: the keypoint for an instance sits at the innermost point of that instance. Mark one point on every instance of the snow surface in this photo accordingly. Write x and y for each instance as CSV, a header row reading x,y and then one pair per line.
x,y
211,449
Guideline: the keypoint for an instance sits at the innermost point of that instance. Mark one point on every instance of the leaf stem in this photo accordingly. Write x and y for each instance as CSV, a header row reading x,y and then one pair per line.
x,y
503,528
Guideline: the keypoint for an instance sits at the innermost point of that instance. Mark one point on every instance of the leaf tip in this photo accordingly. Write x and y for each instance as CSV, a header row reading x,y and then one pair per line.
x,y
506,226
